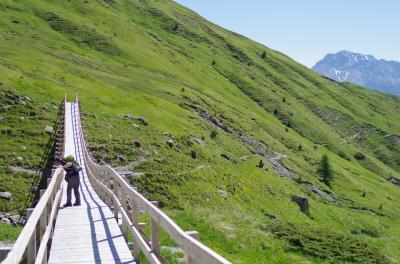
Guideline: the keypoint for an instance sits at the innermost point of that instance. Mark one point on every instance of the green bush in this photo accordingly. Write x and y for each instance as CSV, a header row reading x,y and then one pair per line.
x,y
300,147
359,156
214,133
343,155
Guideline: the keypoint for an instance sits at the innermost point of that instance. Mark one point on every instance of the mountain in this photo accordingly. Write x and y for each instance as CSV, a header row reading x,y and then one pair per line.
x,y
364,70
215,104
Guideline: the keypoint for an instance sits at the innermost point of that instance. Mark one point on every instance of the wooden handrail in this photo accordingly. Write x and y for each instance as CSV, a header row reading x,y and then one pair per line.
x,y
102,177
42,252
40,222
28,233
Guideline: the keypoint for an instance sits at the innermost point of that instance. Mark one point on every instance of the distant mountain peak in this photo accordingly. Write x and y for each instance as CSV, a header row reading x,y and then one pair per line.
x,y
361,69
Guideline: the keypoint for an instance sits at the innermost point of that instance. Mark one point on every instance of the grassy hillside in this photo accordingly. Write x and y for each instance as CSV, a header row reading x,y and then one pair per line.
x,y
223,103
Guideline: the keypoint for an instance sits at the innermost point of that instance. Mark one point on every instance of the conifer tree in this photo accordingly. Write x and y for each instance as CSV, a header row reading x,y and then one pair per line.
x,y
325,170
263,55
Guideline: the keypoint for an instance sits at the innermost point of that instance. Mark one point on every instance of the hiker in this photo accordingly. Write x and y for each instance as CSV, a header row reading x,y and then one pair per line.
x,y
72,169
260,164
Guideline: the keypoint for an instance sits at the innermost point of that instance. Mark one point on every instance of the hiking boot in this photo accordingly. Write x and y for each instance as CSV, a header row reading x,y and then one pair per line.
x,y
67,205
77,203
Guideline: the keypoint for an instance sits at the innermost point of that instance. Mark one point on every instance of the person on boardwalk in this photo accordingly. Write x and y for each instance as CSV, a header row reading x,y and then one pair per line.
x,y
72,169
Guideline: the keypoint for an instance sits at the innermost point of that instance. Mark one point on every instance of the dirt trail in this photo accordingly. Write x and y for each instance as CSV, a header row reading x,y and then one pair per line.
x,y
260,148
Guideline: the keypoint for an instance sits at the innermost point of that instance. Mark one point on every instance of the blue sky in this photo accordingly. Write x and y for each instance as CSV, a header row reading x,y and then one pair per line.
x,y
307,30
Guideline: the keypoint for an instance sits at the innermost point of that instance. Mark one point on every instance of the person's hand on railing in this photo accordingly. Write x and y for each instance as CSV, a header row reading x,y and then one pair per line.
x,y
65,164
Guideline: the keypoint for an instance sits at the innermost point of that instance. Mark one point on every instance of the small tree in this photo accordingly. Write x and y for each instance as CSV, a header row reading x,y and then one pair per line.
x,y
325,170
275,111
263,55
213,62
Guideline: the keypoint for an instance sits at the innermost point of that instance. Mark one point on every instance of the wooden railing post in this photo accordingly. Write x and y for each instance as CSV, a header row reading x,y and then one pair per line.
x,y
108,184
51,201
135,223
123,199
42,223
31,248
108,175
115,204
155,238
49,179
136,250
124,229
134,213
195,235
102,177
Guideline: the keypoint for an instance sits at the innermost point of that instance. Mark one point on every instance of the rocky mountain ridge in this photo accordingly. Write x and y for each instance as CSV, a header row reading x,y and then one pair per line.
x,y
364,70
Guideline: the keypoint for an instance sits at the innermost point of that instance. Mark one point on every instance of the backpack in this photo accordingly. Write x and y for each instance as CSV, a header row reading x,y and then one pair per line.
x,y
76,166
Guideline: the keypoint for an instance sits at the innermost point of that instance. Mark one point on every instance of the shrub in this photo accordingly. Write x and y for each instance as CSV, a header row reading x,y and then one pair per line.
x,y
343,155
175,27
214,133
213,62
300,147
359,156
263,55
275,111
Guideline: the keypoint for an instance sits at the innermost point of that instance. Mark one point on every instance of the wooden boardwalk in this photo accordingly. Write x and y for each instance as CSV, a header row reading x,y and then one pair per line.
x,y
88,233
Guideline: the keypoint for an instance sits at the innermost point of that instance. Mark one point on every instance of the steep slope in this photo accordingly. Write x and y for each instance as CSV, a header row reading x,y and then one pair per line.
x,y
361,69
215,104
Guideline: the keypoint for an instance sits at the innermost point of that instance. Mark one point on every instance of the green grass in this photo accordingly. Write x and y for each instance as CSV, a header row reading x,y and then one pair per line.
x,y
214,92
9,233
327,244
23,141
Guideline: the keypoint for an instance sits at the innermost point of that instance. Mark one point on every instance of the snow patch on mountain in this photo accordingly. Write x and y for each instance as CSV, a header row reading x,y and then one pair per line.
x,y
339,75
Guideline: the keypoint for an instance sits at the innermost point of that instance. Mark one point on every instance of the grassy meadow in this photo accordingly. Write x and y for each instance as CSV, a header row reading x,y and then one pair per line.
x,y
212,92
